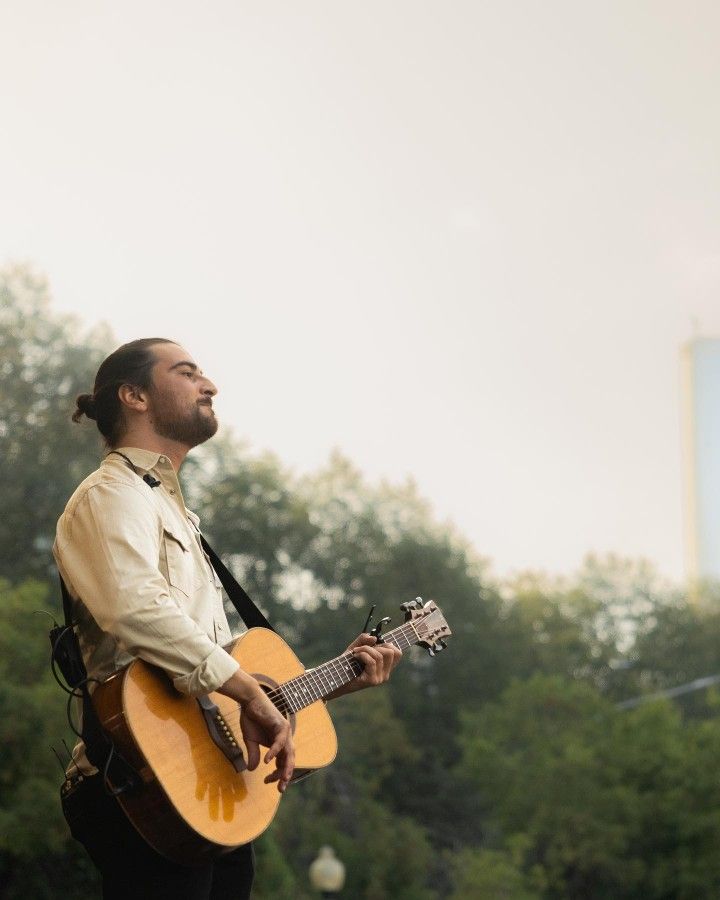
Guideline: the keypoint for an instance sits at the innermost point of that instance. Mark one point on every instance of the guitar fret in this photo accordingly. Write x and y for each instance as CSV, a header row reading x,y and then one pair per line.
x,y
318,683
331,676
321,682
311,677
300,693
297,695
287,697
405,638
340,672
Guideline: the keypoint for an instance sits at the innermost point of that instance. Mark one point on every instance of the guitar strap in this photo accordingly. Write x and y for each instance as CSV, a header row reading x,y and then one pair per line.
x,y
246,608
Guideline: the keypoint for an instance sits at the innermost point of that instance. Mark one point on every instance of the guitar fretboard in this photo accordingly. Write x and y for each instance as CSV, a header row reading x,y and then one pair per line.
x,y
316,684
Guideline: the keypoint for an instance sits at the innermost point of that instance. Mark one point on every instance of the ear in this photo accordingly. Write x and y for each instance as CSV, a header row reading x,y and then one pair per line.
x,y
133,397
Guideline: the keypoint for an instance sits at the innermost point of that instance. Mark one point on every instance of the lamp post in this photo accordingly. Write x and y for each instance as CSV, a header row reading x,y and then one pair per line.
x,y
327,873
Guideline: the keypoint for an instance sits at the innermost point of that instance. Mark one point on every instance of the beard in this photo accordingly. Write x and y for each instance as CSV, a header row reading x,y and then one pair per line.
x,y
191,426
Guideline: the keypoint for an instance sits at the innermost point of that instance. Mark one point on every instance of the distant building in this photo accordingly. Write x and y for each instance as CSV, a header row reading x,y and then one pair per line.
x,y
701,409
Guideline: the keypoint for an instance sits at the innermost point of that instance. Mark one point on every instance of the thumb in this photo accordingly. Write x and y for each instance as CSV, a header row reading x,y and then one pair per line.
x,y
253,753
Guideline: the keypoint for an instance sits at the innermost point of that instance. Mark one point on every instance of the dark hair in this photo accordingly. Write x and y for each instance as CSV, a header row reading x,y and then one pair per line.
x,y
130,364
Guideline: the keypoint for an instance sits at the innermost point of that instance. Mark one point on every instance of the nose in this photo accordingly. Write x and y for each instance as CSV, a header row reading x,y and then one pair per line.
x,y
207,388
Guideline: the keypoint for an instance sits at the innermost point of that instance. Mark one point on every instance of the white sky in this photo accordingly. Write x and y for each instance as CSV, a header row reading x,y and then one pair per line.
x,y
461,241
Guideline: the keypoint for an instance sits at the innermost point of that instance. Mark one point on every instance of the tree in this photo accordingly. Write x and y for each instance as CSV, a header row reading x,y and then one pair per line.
x,y
604,803
46,362
678,644
489,873
37,857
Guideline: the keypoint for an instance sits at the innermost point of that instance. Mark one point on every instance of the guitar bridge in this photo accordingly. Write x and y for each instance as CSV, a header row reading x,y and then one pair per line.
x,y
220,733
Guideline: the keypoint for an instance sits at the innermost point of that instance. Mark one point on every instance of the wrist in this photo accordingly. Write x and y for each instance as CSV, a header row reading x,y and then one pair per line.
x,y
241,687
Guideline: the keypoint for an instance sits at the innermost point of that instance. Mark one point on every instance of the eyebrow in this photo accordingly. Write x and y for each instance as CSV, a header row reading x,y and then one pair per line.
x,y
184,362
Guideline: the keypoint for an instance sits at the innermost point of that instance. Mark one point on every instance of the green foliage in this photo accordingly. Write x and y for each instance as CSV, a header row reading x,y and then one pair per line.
x,y
44,363
359,719
253,518
605,803
33,835
28,724
679,643
385,855
489,873
274,876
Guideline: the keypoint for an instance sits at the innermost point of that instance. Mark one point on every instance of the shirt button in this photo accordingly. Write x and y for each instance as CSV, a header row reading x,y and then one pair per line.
x,y
172,491
219,627
162,459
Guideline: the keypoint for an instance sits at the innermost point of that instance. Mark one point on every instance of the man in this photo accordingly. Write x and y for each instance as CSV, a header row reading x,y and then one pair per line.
x,y
130,555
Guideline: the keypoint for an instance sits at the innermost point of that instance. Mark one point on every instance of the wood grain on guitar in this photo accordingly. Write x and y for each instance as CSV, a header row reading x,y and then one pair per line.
x,y
196,799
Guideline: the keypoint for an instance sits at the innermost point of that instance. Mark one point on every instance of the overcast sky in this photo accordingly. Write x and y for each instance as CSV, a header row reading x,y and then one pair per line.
x,y
461,241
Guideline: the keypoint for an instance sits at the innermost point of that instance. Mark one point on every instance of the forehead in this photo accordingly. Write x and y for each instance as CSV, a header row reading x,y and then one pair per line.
x,y
169,355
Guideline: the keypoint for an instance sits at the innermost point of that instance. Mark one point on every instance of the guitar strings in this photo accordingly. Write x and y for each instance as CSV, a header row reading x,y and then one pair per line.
x,y
314,677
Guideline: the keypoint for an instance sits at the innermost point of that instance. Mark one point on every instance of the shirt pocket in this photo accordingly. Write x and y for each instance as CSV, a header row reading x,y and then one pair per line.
x,y
181,573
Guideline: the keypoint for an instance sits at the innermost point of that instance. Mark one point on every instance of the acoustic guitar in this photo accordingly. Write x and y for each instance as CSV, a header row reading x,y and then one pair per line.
x,y
194,797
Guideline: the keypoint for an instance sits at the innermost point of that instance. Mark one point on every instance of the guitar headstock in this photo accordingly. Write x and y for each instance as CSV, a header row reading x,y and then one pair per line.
x,y
428,623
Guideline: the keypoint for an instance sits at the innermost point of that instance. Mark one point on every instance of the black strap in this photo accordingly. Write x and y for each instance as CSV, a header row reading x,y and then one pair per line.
x,y
67,603
247,610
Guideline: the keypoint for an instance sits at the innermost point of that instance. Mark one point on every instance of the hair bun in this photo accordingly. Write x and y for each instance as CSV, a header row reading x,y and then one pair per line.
x,y
85,404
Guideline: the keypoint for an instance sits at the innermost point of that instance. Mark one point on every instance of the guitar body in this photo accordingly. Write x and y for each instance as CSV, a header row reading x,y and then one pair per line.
x,y
193,804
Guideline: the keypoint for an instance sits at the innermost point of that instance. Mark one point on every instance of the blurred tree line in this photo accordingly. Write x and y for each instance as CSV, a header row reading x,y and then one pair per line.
x,y
501,769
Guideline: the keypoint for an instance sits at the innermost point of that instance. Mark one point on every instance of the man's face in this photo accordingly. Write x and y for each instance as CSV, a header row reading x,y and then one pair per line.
x,y
180,397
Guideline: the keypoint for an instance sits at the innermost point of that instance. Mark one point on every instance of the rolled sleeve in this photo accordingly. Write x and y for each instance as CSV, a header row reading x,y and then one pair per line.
x,y
110,554
209,675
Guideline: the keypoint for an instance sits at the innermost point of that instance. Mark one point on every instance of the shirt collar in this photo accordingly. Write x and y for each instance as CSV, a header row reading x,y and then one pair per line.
x,y
161,467
144,460
150,461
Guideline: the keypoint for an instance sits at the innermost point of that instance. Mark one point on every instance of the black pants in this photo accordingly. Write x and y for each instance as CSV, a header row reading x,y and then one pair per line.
x,y
132,870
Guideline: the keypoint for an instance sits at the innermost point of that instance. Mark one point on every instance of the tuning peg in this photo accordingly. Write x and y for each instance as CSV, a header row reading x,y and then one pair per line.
x,y
431,651
443,643
410,605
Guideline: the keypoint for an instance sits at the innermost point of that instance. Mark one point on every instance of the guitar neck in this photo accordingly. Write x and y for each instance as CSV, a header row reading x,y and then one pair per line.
x,y
319,683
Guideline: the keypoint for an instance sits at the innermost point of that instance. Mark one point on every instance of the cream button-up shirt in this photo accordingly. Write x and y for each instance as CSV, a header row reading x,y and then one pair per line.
x,y
142,586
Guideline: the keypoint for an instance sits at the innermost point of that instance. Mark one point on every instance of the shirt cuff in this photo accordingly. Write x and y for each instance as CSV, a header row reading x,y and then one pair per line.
x,y
211,674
